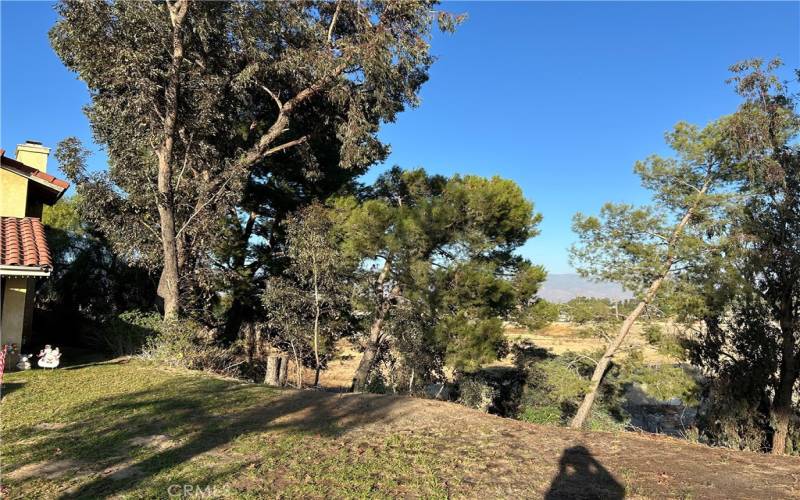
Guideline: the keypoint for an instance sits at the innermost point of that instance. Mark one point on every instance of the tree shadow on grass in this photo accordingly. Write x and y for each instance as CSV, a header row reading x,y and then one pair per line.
x,y
9,387
581,476
193,417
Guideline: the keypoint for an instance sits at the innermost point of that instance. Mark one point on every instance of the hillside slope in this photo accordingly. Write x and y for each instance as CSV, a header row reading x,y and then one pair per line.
x,y
130,429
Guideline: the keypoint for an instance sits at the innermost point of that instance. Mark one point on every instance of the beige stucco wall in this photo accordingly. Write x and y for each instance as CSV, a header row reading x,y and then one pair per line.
x,y
33,155
16,294
13,194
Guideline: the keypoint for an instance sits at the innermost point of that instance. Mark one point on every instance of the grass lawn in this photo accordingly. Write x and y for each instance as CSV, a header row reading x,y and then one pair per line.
x,y
135,430
128,429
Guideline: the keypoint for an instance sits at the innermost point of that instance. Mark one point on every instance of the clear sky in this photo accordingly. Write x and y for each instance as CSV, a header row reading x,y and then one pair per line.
x,y
560,97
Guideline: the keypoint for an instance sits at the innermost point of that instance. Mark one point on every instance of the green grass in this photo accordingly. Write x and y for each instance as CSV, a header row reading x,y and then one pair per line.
x,y
134,430
238,439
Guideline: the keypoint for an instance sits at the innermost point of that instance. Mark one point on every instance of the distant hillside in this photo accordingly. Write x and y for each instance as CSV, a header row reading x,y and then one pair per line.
x,y
561,288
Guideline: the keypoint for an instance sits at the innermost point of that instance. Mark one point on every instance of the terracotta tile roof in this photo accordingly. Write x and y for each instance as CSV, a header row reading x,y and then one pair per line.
x,y
24,170
23,243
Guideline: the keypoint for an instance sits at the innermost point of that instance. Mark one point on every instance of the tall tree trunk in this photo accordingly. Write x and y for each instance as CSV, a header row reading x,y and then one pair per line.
x,y
316,323
585,409
781,411
781,408
169,284
370,352
373,346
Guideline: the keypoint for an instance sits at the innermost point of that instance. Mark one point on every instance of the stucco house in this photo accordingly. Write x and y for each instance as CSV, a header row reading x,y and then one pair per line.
x,y
25,187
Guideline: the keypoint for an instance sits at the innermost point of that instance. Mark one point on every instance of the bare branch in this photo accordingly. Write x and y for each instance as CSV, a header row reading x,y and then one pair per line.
x,y
333,22
286,145
177,11
274,97
151,229
185,161
204,205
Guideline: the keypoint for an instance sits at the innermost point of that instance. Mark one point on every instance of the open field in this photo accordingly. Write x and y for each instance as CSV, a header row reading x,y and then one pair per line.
x,y
128,429
558,338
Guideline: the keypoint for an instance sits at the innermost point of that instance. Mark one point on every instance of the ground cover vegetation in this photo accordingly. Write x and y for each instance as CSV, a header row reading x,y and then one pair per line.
x,y
154,427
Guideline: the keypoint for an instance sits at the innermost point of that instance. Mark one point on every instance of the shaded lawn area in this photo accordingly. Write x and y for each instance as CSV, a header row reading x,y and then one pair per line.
x,y
135,430
132,430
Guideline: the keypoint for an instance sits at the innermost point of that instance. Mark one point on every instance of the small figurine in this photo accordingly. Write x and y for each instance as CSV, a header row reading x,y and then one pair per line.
x,y
49,357
24,362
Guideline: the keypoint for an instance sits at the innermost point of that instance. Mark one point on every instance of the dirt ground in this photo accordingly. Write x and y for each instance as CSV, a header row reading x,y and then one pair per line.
x,y
562,463
519,459
560,337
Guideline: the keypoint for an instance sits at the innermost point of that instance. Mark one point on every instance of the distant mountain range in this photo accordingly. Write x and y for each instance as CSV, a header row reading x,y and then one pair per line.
x,y
562,288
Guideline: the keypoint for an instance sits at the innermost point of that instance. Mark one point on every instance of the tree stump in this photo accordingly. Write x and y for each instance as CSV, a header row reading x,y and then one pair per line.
x,y
284,369
277,370
272,377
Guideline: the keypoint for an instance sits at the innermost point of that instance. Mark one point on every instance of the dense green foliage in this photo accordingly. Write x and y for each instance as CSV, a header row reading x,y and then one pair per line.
x,y
89,287
746,293
585,310
440,267
538,315
632,245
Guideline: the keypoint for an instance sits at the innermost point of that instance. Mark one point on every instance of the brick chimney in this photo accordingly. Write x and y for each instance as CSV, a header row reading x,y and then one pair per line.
x,y
33,154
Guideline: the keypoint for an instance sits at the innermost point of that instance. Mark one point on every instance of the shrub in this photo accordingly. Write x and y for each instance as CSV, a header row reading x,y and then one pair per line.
x,y
476,393
673,347
377,383
495,389
182,343
666,344
538,315
525,353
653,333
546,414
662,382
552,391
126,333
732,418
555,385
607,419
602,330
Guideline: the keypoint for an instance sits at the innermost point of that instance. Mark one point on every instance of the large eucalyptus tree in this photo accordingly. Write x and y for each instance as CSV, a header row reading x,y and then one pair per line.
x,y
197,102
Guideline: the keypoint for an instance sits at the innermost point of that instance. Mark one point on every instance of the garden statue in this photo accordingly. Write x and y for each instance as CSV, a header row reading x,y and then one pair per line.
x,y
24,362
49,357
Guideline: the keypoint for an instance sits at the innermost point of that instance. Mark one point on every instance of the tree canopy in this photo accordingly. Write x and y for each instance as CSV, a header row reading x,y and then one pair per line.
x,y
211,112
442,271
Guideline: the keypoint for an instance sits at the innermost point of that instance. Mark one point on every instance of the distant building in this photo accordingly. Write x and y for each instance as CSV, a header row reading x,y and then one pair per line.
x,y
25,187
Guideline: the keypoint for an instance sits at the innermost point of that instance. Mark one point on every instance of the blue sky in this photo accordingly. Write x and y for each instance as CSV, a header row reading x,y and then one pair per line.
x,y
560,97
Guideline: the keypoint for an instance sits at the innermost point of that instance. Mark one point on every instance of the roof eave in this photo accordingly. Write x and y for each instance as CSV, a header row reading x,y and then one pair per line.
x,y
56,188
25,271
